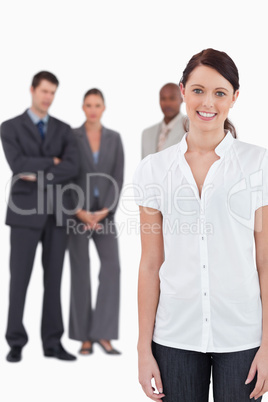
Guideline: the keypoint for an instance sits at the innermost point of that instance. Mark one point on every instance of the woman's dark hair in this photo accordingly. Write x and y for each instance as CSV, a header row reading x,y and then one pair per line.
x,y
44,75
94,91
221,62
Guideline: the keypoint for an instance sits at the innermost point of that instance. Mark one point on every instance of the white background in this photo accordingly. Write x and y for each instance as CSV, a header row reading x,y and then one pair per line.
x,y
128,49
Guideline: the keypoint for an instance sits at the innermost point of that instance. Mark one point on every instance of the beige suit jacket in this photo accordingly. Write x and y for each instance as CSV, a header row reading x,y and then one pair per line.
x,y
150,137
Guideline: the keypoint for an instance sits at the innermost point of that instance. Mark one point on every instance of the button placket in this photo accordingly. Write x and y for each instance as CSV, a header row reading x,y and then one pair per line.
x,y
204,288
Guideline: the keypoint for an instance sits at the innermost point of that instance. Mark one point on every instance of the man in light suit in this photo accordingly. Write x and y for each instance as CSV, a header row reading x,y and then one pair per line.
x,y
42,154
170,130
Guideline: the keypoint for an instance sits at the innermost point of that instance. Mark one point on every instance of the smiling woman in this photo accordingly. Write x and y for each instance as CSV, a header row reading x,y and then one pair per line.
x,y
203,306
219,76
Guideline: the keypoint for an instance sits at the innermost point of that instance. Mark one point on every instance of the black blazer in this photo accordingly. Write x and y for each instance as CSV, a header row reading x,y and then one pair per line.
x,y
31,202
106,175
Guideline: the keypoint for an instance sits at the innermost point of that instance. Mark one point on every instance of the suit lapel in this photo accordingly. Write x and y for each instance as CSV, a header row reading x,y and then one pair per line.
x,y
104,146
172,135
175,134
86,147
51,129
31,128
156,138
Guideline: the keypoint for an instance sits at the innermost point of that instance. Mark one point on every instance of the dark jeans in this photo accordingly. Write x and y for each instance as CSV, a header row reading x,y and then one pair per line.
x,y
185,374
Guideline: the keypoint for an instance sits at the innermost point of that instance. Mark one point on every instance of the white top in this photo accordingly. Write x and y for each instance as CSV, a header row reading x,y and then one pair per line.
x,y
209,286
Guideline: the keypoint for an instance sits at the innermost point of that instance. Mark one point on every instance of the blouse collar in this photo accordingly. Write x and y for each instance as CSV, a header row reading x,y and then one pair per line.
x,y
220,149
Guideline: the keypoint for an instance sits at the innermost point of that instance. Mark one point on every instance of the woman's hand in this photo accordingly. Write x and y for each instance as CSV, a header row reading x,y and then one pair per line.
x,y
91,219
101,214
88,218
259,365
148,369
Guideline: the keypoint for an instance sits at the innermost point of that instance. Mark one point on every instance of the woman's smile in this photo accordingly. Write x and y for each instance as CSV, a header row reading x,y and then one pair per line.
x,y
208,97
206,116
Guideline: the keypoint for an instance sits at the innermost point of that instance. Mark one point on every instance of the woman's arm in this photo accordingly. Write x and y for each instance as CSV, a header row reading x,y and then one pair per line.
x,y
152,257
260,362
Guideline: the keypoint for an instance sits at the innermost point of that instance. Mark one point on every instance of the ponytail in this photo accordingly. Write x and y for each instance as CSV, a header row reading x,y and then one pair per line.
x,y
228,125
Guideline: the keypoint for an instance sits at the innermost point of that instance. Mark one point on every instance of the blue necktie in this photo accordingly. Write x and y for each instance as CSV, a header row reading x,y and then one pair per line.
x,y
40,126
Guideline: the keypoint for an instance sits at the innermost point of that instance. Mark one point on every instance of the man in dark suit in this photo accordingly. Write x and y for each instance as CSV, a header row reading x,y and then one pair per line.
x,y
42,154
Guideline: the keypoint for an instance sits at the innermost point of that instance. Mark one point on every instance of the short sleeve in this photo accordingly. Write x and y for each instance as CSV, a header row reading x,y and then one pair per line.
x,y
262,198
145,187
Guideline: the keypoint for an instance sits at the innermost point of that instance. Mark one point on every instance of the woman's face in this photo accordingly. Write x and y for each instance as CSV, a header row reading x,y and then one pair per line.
x,y
93,107
208,97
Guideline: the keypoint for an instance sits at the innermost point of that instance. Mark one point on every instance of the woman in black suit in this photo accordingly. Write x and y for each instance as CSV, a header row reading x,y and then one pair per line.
x,y
100,179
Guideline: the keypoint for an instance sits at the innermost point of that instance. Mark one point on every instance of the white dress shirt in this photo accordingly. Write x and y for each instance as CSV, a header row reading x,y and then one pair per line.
x,y
209,286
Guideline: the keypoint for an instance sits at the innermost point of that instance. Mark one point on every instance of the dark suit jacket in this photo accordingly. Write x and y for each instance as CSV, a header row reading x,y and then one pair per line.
x,y
31,202
106,175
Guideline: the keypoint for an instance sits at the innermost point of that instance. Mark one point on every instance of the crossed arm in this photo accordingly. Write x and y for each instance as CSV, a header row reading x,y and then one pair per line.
x,y
63,169
33,177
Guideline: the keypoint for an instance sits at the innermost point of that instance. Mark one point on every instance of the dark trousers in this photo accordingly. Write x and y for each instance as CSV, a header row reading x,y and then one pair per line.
x,y
102,322
24,242
186,374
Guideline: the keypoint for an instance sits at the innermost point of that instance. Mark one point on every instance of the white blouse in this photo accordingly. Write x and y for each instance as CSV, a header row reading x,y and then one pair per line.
x,y
209,286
